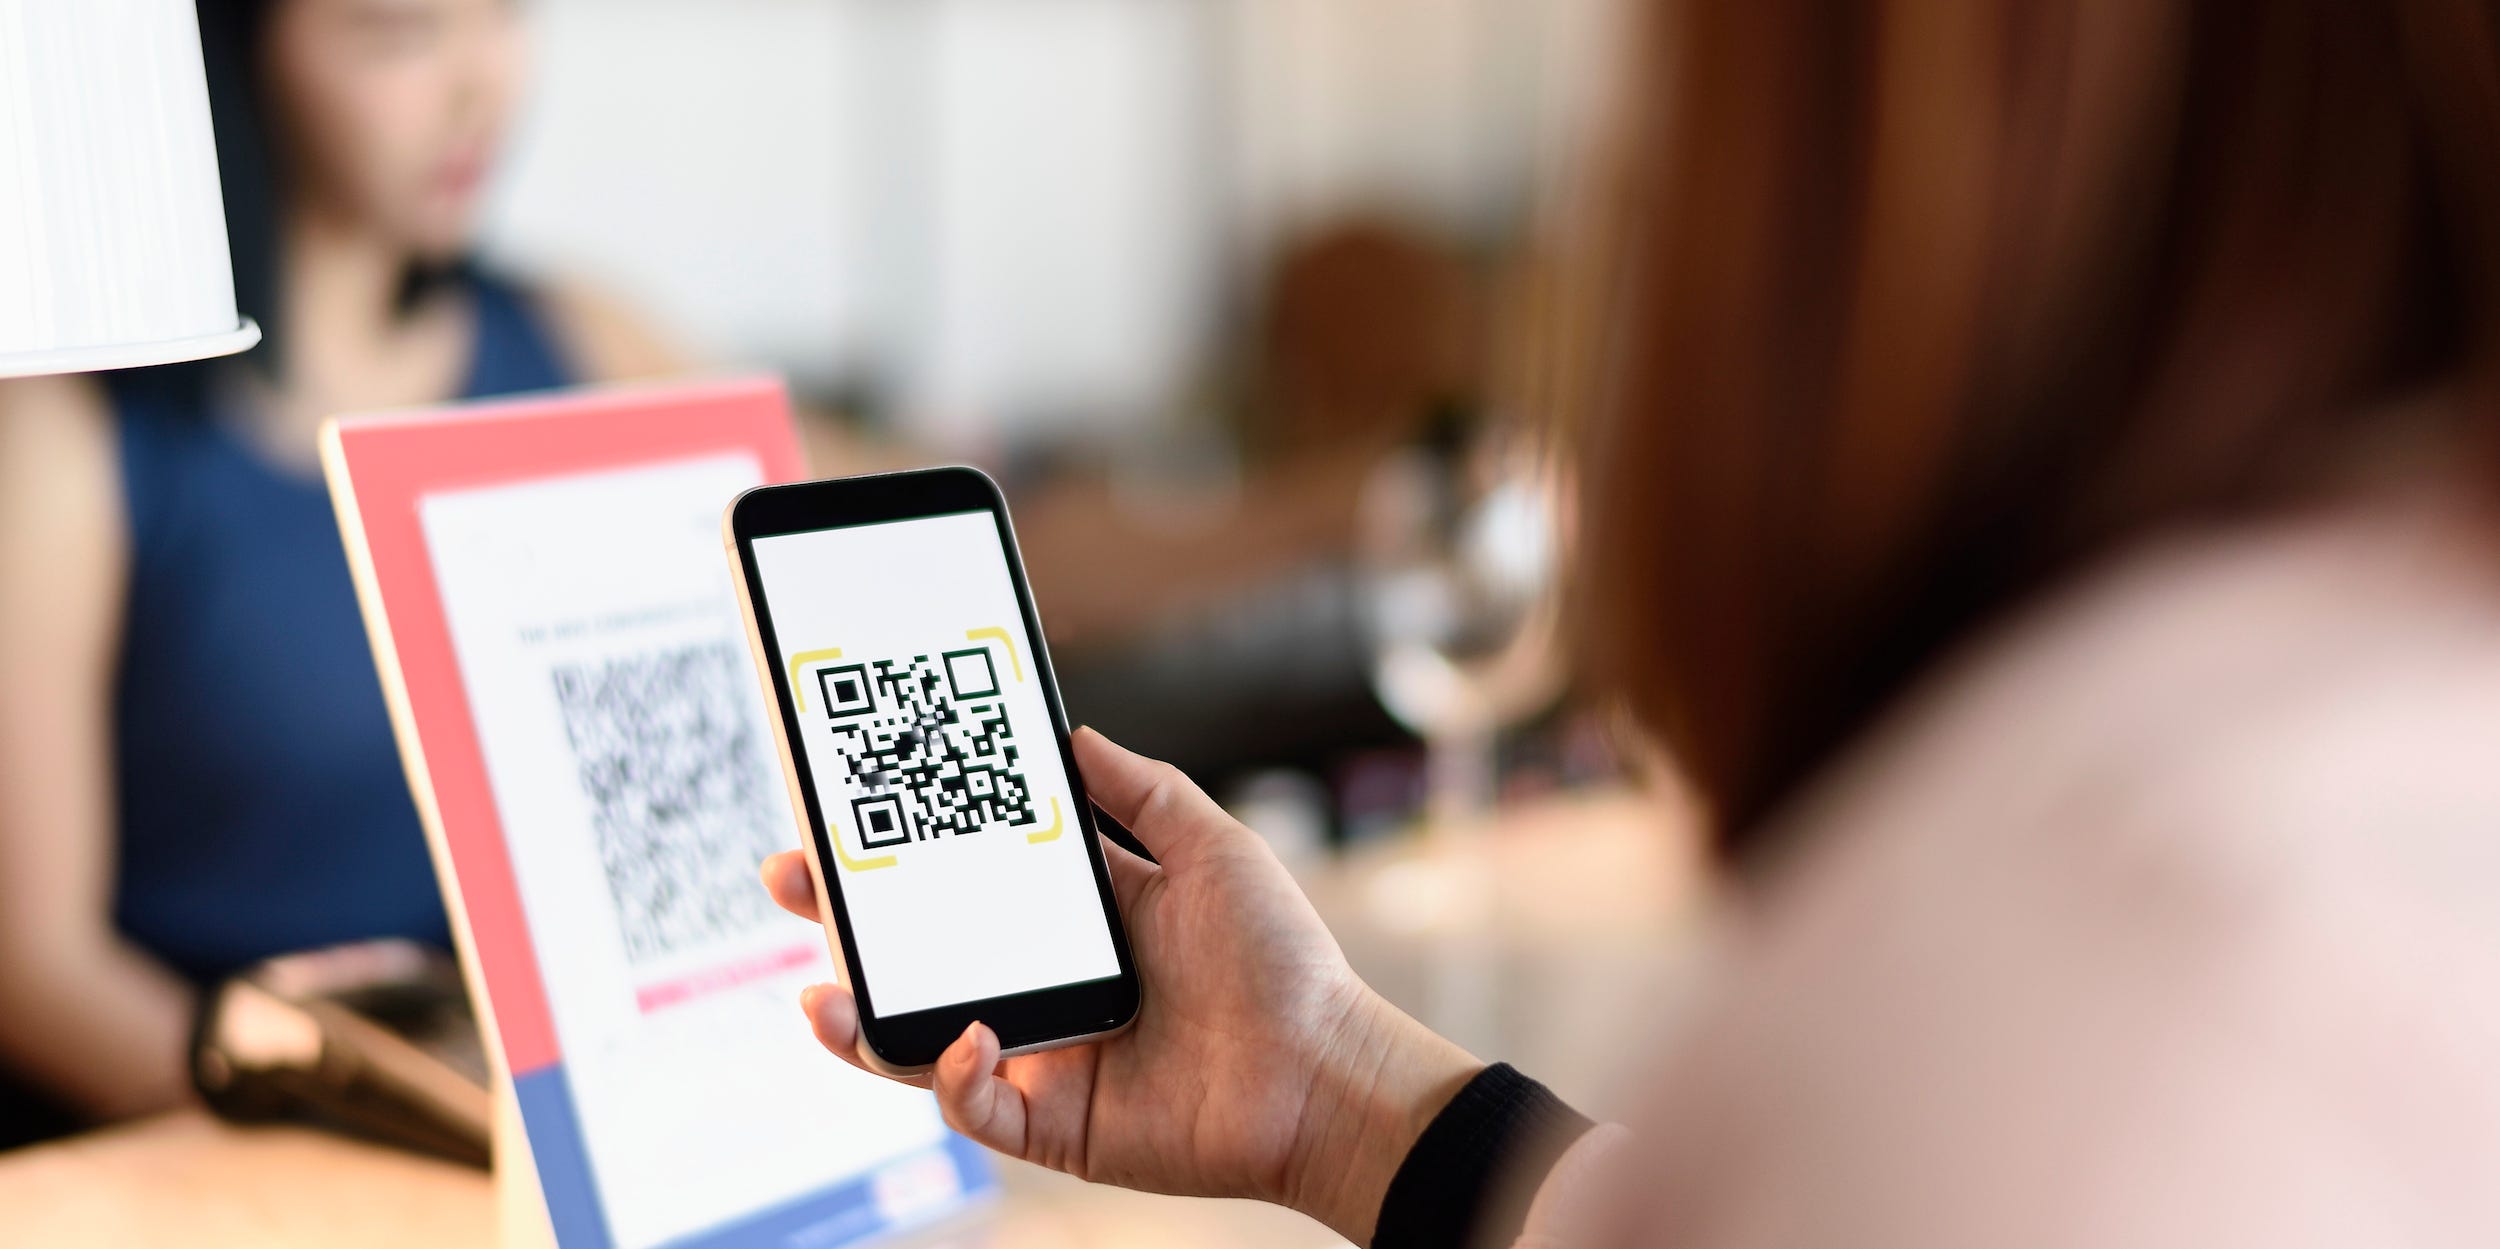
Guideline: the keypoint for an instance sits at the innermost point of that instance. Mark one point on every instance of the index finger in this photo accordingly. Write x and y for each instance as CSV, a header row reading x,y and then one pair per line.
x,y
787,880
1150,798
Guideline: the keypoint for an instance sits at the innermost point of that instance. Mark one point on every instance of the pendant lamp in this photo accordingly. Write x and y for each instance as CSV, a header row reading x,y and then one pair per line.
x,y
112,233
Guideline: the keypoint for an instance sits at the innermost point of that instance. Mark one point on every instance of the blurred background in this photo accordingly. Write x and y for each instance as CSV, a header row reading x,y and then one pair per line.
x,y
1239,299
1234,295
1195,276
1270,317
1033,224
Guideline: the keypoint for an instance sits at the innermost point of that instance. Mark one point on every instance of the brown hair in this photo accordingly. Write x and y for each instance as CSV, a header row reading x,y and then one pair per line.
x,y
1919,304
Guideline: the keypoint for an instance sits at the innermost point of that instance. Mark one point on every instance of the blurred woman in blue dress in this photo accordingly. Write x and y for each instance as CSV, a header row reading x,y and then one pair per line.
x,y
196,768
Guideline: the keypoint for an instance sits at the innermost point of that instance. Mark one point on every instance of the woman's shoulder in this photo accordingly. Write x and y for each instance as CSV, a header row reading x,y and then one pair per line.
x,y
2241,742
2268,683
2192,877
606,336
63,543
58,400
56,432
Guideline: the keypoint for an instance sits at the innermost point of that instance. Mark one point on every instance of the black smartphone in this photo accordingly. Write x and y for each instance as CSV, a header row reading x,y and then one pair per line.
x,y
958,867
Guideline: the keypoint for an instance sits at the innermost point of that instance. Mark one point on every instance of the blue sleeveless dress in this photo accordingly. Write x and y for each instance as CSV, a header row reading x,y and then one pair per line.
x,y
262,804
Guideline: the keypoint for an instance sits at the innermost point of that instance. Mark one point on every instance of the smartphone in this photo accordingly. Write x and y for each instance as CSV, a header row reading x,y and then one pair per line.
x,y
958,868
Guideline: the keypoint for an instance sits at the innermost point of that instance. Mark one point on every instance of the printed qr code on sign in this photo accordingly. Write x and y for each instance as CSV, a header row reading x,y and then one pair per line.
x,y
929,745
683,799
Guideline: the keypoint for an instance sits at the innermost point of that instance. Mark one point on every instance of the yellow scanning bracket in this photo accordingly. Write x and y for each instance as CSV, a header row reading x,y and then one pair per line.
x,y
1058,825
850,864
803,659
1014,659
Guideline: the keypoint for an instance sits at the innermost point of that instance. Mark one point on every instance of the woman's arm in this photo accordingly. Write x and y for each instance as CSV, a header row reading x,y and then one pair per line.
x,y
1260,1066
82,1011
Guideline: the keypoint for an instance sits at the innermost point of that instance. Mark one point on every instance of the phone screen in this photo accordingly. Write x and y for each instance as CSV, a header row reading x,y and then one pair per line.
x,y
922,727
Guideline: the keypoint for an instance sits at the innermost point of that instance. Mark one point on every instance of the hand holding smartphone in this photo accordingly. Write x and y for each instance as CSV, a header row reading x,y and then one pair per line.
x,y
955,856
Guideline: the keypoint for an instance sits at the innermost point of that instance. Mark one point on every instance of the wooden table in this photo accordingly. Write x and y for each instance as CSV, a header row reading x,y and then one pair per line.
x,y
1520,938
188,1180
1559,936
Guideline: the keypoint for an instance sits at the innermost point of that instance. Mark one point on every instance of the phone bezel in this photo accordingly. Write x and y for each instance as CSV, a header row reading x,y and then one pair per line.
x,y
1036,1019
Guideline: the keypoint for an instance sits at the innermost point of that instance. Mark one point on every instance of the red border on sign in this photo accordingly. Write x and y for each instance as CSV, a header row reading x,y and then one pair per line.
x,y
380,467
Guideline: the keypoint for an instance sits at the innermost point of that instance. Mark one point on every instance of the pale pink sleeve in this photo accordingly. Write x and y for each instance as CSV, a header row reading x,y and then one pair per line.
x,y
1564,1212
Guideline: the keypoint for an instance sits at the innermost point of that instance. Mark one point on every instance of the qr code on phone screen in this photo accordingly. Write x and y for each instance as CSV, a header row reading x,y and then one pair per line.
x,y
928,743
684,798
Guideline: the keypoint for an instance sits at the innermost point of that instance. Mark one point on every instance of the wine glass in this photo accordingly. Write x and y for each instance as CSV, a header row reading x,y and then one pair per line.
x,y
1457,548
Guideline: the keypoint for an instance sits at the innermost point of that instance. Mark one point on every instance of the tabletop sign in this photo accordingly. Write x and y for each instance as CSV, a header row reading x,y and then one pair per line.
x,y
560,647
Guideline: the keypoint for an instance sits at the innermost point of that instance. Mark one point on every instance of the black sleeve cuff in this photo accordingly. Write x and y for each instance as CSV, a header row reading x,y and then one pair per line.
x,y
1471,1175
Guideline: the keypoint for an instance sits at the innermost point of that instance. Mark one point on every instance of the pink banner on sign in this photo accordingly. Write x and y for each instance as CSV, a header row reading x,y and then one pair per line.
x,y
668,993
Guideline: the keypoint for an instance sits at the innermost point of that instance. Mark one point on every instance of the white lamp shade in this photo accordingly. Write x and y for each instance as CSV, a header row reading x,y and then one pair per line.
x,y
112,233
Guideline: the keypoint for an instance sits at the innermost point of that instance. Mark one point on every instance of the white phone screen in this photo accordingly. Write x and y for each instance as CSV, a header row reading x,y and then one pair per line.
x,y
925,734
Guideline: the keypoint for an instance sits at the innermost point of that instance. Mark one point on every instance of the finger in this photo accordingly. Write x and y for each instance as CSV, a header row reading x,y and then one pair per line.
x,y
835,1018
974,1099
1152,799
1129,874
834,1015
787,880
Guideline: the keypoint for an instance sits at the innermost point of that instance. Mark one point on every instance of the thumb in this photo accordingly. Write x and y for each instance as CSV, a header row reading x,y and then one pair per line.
x,y
1150,798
